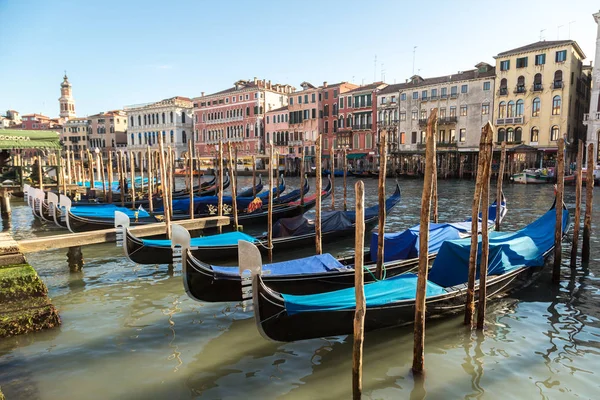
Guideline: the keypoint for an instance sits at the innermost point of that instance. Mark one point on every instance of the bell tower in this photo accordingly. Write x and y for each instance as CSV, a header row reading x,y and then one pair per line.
x,y
67,104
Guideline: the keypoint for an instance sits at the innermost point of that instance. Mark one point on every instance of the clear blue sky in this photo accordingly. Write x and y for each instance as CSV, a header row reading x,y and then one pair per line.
x,y
124,52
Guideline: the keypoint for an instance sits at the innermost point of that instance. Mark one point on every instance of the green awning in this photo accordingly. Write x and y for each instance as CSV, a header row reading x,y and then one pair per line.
x,y
308,158
22,139
324,155
354,156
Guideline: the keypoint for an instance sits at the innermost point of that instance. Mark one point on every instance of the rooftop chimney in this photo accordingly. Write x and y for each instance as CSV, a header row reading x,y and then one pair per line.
x,y
202,94
325,84
255,80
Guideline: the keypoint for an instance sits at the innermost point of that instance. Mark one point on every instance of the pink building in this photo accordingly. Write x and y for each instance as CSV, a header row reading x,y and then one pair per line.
x,y
40,122
237,115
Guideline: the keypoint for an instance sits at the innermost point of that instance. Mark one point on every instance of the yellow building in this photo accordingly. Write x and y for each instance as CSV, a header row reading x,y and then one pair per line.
x,y
541,95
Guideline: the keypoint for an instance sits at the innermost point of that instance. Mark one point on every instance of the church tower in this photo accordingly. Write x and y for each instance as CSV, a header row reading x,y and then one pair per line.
x,y
67,104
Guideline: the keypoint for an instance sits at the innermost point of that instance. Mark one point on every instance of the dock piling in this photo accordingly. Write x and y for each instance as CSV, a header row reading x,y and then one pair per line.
x,y
499,185
75,259
359,290
577,219
589,199
319,180
560,186
381,194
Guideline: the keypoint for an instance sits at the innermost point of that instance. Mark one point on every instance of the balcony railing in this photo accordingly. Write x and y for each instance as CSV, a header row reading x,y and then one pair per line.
x,y
557,84
503,91
593,116
510,121
434,97
361,126
447,120
424,98
537,87
453,95
519,90
224,120
444,96
422,121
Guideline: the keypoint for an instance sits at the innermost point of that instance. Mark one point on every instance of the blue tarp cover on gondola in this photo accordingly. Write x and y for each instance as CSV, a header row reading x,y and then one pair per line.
x,y
308,265
401,287
107,211
225,239
508,251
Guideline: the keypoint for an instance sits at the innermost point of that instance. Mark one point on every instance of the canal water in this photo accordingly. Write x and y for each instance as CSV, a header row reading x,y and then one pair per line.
x,y
131,332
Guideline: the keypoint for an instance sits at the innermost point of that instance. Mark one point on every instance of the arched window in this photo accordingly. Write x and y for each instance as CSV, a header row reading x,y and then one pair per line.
x,y
554,132
183,118
349,121
341,122
520,108
518,134
131,119
556,105
558,79
171,117
535,107
503,86
521,84
510,110
183,137
145,121
153,120
535,134
510,135
140,138
369,140
537,82
501,135
355,141
163,118
502,110
132,139
139,120
326,110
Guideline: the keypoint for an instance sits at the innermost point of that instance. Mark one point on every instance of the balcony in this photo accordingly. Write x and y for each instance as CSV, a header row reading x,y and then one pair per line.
x,y
453,95
361,126
447,145
510,121
434,97
537,87
503,91
295,143
444,96
591,117
557,85
519,90
424,98
224,120
447,120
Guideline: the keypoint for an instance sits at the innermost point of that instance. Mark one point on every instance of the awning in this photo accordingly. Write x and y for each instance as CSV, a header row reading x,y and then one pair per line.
x,y
308,158
324,155
354,156
22,139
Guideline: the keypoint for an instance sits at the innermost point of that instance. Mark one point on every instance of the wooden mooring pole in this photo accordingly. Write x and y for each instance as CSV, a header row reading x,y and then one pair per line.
x,y
577,220
470,300
191,178
119,155
434,183
253,176
102,176
109,170
589,199
345,174
332,169
560,188
132,171
359,290
270,206
220,194
232,164
499,186
381,229
151,172
419,327
302,178
485,239
165,185
318,184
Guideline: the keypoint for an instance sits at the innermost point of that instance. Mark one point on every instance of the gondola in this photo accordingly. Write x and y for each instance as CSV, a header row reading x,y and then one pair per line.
x,y
360,174
515,260
289,233
205,282
91,220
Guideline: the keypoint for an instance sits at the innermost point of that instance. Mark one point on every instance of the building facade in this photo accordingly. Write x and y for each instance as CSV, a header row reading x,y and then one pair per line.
x,y
592,118
277,130
541,96
74,135
67,103
237,115
333,101
107,131
171,118
39,122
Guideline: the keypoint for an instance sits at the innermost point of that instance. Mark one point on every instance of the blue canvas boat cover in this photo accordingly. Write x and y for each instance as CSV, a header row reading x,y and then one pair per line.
x,y
225,239
508,251
107,211
401,287
405,245
300,225
308,265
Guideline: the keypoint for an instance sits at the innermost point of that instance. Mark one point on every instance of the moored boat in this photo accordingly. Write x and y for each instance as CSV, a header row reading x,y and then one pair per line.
x,y
529,176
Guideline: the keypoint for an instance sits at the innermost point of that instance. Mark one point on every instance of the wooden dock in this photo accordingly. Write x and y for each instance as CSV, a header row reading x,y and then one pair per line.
x,y
109,235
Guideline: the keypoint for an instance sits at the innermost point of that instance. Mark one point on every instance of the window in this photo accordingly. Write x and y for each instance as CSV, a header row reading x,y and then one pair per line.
x,y
454,91
314,113
464,88
171,115
313,98
348,101
521,84
414,115
402,137
299,99
556,105
403,97
335,93
383,100
423,114
485,109
561,56
504,65
535,107
554,133
305,99
540,59
424,95
415,95
444,93
394,98
452,135
518,135
291,101
355,142
535,133
522,62
510,135
414,138
520,108
183,118
486,85
463,135
369,141
326,95
402,115
501,135
452,111
502,109
442,112
537,82
558,79
463,111
268,119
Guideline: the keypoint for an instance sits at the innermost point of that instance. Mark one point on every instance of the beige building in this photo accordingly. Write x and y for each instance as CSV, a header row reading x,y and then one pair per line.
x,y
542,94
74,135
107,131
